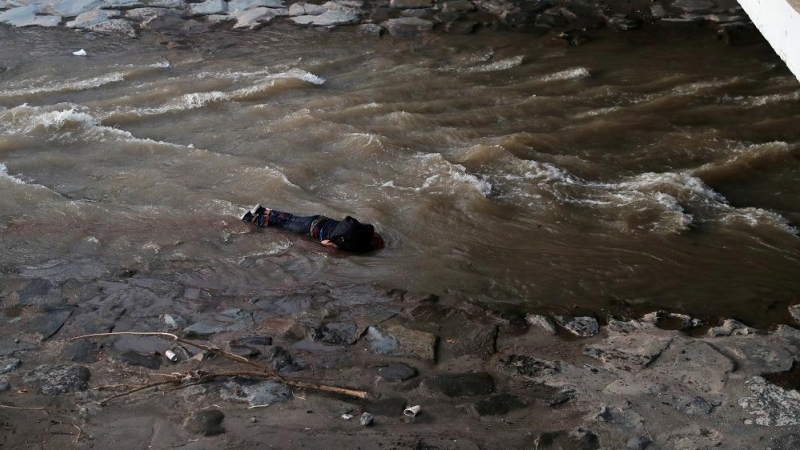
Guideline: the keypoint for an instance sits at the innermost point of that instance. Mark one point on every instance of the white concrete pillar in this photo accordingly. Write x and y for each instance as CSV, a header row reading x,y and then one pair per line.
x,y
779,23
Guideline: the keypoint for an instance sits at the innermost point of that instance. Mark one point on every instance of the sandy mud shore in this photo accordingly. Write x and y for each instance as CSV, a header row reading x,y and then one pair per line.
x,y
482,376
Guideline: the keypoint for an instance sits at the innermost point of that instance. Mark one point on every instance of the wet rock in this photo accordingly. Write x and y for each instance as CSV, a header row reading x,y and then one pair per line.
x,y
59,270
173,321
58,379
397,372
792,335
10,347
72,8
732,327
92,18
579,439
244,5
133,358
141,344
34,290
530,366
390,407
461,385
579,326
371,30
177,4
49,324
461,27
208,8
392,338
205,423
255,17
639,443
624,23
261,393
773,405
549,395
498,405
4,385
204,329
411,3
20,16
623,327
8,365
232,319
81,351
628,351
473,340
366,419
407,26
338,333
282,360
328,18
542,322
693,406
694,5
794,311
672,321
123,4
306,9
458,6
250,347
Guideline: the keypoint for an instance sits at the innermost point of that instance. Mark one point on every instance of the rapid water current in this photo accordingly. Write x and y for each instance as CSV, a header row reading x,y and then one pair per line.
x,y
634,172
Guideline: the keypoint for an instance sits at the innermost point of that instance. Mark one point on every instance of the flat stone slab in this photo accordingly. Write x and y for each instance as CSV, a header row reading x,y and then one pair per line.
x,y
397,372
411,4
627,352
392,338
773,405
58,379
695,364
244,5
336,333
328,18
92,18
462,385
122,4
72,8
306,9
208,8
177,4
254,18
49,324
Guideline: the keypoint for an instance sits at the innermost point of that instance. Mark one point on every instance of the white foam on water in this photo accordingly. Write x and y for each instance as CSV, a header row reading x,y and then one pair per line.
x,y
770,99
447,173
4,175
272,173
64,86
755,217
569,74
597,112
503,64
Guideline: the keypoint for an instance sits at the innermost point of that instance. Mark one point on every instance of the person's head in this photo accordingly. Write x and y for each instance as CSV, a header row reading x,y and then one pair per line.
x,y
376,243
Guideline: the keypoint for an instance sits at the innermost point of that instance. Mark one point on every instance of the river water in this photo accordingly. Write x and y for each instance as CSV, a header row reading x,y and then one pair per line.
x,y
635,172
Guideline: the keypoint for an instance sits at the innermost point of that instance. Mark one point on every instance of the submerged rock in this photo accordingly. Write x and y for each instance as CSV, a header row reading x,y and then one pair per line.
x,y
205,423
58,379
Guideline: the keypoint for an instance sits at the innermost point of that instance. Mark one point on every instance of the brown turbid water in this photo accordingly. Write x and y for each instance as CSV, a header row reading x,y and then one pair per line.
x,y
632,173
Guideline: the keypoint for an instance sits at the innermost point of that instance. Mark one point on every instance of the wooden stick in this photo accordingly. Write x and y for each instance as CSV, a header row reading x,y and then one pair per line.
x,y
140,388
20,407
265,372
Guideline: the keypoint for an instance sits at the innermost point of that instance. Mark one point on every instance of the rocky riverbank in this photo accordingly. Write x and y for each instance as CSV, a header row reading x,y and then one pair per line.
x,y
569,20
483,377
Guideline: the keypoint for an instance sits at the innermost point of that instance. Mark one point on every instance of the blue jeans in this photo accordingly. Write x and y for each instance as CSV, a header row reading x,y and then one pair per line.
x,y
318,226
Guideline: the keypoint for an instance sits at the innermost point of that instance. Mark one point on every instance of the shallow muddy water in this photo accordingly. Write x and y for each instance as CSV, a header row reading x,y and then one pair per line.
x,y
634,172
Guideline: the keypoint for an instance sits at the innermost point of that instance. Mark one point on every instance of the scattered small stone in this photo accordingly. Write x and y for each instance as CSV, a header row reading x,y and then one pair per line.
x,y
397,372
542,322
694,406
579,326
8,365
253,420
205,423
367,419
55,379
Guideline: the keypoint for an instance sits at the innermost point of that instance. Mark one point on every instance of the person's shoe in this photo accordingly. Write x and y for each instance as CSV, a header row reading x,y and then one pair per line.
x,y
247,217
258,210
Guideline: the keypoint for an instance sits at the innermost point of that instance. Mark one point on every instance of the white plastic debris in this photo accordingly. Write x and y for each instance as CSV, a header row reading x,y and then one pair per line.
x,y
412,411
347,416
80,52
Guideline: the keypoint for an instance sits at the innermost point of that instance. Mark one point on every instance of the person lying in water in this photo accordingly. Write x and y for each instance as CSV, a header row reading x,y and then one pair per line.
x,y
347,234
